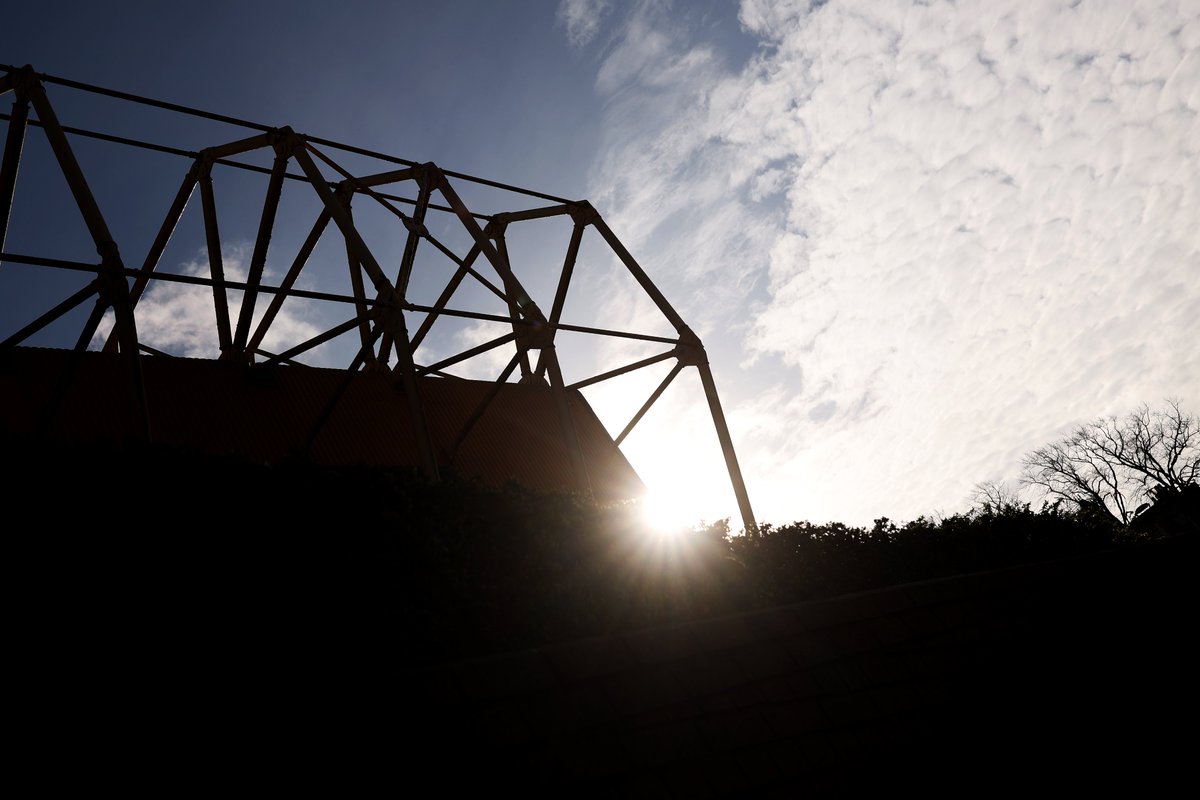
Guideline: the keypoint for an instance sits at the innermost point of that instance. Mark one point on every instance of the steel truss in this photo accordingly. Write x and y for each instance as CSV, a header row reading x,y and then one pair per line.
x,y
376,304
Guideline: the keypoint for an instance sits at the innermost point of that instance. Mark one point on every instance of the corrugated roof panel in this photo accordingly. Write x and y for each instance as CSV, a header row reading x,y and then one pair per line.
x,y
266,414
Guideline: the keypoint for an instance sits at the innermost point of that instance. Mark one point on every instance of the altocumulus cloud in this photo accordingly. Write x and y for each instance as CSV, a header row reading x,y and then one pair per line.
x,y
581,19
920,239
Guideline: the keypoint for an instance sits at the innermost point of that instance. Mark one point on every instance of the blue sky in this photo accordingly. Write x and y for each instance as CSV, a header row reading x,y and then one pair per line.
x,y
918,240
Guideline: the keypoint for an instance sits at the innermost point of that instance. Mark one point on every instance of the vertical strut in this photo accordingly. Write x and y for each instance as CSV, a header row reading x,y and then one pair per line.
x,y
416,226
365,335
114,288
216,266
514,310
564,282
11,161
259,259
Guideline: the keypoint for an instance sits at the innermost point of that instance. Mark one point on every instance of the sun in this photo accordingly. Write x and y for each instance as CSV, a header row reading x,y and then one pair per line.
x,y
666,512
683,487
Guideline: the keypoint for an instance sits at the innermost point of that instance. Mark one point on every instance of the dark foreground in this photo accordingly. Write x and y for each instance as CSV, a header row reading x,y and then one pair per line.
x,y
195,620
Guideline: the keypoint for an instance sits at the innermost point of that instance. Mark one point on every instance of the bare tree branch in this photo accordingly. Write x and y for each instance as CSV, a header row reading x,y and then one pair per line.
x,y
1113,463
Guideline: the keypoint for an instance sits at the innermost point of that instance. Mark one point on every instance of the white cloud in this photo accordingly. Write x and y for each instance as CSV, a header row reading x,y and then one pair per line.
x,y
919,240
581,18
180,319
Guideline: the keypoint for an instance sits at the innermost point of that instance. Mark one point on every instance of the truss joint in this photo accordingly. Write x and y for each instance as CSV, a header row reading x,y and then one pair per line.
x,y
583,213
23,79
428,176
690,351
535,335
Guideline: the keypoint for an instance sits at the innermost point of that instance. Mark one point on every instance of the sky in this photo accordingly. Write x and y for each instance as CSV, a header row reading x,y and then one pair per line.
x,y
919,239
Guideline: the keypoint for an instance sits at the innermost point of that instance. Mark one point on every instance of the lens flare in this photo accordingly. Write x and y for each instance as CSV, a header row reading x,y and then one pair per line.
x,y
667,513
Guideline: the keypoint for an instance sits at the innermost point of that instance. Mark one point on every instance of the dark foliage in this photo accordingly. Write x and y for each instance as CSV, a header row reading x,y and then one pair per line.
x,y
164,538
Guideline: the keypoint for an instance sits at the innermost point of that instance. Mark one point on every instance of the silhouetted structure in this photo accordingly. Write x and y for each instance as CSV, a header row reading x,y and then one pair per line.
x,y
376,302
273,414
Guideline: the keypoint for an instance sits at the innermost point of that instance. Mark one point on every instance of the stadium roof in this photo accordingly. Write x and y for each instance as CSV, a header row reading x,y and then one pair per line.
x,y
268,415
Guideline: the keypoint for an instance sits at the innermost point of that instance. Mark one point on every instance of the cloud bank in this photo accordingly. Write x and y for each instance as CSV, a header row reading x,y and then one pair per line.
x,y
920,239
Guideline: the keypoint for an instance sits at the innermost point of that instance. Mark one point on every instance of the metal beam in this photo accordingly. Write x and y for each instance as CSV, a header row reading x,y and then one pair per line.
x,y
506,217
288,361
225,162
350,182
285,287
258,260
366,337
80,191
472,256
416,226
160,243
145,348
164,232
731,462
444,297
512,287
316,341
182,109
345,224
662,387
568,270
613,373
114,288
195,280
564,282
237,148
11,161
514,311
468,354
641,337
380,178
395,323
88,331
45,319
78,266
216,265
640,275
386,309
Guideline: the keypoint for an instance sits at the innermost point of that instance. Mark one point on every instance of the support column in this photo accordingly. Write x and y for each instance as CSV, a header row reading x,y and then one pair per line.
x,y
731,462
114,288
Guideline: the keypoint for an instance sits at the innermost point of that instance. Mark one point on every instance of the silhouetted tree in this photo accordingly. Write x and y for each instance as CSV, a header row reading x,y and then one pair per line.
x,y
995,496
1114,463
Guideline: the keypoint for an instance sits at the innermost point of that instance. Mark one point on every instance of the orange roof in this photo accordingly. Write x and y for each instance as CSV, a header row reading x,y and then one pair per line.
x,y
265,414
